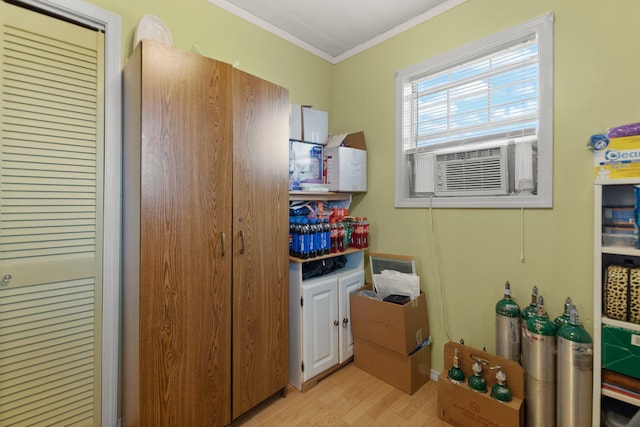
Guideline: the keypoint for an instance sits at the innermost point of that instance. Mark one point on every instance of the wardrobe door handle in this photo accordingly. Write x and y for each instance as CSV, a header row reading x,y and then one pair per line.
x,y
241,242
223,239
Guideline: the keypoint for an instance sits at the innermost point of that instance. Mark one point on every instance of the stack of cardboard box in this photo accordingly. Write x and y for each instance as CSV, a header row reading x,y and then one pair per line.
x,y
337,161
389,340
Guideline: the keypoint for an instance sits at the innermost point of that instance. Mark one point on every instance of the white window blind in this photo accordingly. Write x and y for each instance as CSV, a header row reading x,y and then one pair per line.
x,y
493,96
494,92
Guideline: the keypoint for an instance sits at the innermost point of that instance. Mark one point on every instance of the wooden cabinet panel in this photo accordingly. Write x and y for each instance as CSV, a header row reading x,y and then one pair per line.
x,y
260,240
205,306
177,264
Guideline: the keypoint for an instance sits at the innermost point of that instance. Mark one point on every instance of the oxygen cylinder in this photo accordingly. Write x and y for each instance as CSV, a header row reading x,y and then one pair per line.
x,y
455,374
527,313
575,374
540,375
500,391
563,319
476,382
508,326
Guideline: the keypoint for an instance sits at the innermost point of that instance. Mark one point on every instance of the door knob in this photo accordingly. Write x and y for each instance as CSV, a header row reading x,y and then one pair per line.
x,y
6,279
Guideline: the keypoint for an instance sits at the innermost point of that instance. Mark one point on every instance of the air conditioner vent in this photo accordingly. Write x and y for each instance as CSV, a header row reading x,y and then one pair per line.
x,y
468,155
472,172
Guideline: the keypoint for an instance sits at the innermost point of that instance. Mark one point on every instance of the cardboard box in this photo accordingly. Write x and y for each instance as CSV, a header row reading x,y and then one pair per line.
x,y
345,162
461,406
346,169
308,125
399,328
305,164
617,158
405,372
621,350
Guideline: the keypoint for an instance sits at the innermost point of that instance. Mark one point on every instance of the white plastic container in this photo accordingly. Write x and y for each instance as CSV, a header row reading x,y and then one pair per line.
x,y
618,239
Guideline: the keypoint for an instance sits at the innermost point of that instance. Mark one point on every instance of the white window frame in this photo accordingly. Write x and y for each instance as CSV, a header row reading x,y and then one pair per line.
x,y
543,28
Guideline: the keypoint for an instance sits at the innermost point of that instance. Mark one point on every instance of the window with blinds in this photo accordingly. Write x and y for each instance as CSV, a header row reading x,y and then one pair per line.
x,y
474,125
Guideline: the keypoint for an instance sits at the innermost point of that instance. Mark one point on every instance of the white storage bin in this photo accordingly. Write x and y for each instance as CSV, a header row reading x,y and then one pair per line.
x,y
618,239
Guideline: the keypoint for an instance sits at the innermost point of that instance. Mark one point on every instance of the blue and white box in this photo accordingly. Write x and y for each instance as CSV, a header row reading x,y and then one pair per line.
x,y
305,164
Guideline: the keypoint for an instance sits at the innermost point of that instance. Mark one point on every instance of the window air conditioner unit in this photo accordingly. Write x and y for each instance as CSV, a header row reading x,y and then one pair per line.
x,y
472,170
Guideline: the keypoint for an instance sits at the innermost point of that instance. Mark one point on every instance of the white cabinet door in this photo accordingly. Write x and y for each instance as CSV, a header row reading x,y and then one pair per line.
x,y
347,284
320,317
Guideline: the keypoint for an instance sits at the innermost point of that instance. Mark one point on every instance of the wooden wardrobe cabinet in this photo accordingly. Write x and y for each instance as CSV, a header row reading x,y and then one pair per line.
x,y
205,244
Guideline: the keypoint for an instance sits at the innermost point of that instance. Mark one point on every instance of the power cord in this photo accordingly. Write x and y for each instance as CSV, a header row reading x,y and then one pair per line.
x,y
438,266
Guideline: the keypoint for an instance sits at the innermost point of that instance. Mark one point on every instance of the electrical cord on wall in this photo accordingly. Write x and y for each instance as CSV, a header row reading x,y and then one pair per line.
x,y
522,234
522,229
438,266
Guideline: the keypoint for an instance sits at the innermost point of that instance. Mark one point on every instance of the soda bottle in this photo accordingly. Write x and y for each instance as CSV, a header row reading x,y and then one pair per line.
x,y
296,238
352,236
333,236
326,233
317,236
341,235
312,237
357,240
304,238
365,233
291,224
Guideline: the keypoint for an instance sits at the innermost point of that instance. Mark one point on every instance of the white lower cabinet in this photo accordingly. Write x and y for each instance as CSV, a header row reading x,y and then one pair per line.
x,y
320,321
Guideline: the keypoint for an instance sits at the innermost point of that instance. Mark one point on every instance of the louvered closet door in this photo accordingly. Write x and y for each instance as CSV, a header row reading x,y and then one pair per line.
x,y
50,210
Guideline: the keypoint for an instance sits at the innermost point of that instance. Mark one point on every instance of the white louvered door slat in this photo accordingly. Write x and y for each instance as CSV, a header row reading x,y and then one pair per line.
x,y
50,226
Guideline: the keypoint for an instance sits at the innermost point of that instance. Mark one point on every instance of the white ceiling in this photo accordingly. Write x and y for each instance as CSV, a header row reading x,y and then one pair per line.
x,y
336,29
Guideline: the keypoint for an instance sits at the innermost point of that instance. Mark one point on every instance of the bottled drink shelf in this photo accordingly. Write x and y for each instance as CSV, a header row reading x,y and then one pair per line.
x,y
335,254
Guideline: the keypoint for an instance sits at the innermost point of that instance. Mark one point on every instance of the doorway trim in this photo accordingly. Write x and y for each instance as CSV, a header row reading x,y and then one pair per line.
x,y
110,23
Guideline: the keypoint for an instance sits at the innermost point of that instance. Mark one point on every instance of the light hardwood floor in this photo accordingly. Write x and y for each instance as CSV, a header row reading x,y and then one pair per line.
x,y
348,397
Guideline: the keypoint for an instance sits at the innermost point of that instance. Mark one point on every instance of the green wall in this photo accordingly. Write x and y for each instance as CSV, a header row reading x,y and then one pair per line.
x,y
477,249
596,87
225,37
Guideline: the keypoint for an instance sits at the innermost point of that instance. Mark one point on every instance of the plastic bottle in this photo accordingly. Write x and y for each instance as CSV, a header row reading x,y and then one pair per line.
x,y
291,232
312,237
315,235
356,234
341,235
365,233
334,236
304,238
327,237
319,237
296,238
